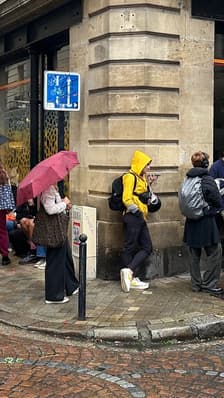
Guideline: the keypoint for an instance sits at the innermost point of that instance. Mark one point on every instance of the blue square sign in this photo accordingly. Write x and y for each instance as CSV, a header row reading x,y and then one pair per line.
x,y
61,91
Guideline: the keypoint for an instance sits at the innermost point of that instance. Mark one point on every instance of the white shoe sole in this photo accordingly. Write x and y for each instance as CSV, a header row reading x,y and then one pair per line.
x,y
75,291
140,287
125,281
40,264
66,299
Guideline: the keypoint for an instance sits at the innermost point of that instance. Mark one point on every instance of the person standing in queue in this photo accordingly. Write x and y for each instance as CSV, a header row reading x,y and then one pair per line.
x,y
203,233
137,241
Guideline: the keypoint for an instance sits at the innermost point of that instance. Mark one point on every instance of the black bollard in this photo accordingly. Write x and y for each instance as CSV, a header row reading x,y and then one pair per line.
x,y
82,277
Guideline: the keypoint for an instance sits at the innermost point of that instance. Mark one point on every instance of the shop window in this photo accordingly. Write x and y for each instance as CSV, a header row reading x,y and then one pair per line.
x,y
15,116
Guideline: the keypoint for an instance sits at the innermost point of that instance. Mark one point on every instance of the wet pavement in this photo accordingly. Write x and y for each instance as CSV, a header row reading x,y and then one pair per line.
x,y
34,368
168,310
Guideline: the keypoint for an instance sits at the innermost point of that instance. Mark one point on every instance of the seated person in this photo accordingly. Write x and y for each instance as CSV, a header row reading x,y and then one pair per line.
x,y
21,236
18,241
37,253
17,237
11,220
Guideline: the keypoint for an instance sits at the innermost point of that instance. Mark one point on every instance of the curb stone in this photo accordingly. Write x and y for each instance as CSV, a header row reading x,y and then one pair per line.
x,y
196,327
202,327
208,326
175,332
115,334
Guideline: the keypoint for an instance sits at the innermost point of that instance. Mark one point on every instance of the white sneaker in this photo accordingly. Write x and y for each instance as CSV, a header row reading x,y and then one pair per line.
x,y
41,264
76,291
137,284
65,300
126,277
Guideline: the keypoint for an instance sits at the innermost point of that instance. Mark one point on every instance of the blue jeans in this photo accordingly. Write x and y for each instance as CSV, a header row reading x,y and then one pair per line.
x,y
10,225
40,251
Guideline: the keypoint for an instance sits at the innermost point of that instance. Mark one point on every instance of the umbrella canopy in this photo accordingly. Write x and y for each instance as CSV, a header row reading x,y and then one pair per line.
x,y
46,173
3,139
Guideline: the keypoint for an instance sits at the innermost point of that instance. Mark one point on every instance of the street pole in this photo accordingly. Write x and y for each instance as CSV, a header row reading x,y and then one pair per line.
x,y
82,277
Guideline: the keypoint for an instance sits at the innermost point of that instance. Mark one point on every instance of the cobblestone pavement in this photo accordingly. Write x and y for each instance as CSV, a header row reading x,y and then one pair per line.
x,y
169,305
35,368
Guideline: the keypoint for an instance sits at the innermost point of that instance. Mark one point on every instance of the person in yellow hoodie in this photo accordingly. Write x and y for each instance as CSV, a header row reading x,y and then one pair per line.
x,y
136,233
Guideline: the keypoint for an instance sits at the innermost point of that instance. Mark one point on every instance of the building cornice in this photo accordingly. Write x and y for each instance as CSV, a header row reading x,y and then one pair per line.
x,y
15,13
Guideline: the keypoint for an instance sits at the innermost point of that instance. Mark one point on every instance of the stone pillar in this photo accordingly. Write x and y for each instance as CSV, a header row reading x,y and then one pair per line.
x,y
141,88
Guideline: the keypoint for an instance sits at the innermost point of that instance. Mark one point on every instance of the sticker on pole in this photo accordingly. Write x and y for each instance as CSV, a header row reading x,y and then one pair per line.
x,y
61,91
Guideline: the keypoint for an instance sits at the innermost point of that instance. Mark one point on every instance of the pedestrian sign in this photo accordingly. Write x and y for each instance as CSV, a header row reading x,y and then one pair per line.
x,y
61,91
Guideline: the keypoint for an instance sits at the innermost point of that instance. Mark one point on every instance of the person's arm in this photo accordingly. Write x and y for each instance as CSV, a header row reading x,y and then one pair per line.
x,y
211,192
128,188
48,201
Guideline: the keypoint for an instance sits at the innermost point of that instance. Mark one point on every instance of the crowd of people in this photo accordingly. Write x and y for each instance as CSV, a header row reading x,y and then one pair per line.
x,y
200,234
17,225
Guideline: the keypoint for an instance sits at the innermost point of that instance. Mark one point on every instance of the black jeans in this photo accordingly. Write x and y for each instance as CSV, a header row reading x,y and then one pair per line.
x,y
60,277
137,241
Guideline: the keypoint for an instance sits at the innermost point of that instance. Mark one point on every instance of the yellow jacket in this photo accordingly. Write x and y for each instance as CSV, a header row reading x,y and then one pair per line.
x,y
131,201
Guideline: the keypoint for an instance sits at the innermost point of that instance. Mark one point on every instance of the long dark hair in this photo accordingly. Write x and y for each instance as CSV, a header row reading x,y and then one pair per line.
x,y
4,178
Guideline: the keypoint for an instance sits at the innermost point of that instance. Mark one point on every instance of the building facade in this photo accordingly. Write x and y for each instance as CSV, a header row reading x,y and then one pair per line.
x,y
147,83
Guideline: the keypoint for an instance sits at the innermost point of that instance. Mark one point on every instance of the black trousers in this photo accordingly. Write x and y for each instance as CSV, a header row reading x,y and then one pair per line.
x,y
60,277
211,275
19,242
137,241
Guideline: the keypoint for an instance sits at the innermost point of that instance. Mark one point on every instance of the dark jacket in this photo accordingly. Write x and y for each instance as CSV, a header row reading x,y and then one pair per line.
x,y
217,169
204,232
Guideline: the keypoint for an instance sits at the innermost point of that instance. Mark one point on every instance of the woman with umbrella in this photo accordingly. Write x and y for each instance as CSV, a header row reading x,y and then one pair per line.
x,y
59,274
60,280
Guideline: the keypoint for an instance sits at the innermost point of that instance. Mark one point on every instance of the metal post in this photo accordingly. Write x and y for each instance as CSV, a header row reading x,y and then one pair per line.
x,y
82,277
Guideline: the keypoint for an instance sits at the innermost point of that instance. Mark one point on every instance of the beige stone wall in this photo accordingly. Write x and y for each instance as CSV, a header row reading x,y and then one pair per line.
x,y
146,83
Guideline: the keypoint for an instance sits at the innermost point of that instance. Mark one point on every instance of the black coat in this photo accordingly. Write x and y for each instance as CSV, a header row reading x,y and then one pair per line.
x,y
26,211
204,232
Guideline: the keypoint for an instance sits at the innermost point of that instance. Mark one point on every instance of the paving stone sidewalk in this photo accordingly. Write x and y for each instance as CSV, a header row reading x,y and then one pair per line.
x,y
169,310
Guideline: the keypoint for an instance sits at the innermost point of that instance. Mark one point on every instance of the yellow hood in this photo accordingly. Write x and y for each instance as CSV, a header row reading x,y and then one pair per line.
x,y
139,161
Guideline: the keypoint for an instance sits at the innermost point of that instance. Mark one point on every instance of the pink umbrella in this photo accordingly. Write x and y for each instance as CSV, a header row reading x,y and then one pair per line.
x,y
46,173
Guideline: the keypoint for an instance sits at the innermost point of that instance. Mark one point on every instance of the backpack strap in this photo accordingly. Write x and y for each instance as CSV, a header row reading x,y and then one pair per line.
x,y
135,182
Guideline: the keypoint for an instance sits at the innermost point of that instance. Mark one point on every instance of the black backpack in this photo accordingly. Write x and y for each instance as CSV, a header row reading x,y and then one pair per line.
x,y
115,199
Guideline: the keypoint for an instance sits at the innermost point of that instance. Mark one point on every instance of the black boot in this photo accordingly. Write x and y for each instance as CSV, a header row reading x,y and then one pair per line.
x,y
5,260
